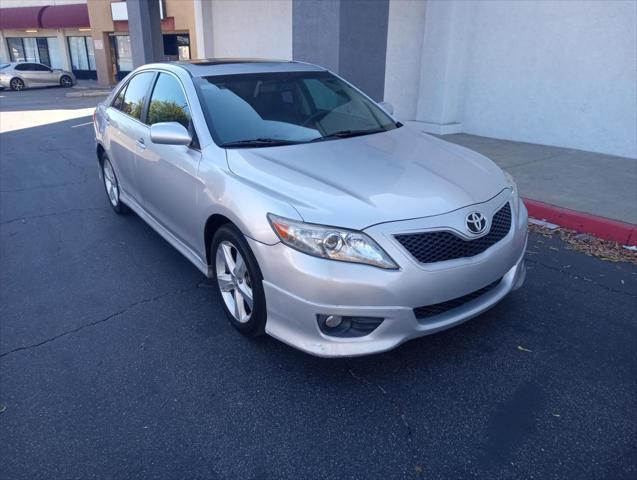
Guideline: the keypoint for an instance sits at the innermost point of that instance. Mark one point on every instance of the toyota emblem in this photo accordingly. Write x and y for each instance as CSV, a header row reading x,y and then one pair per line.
x,y
476,222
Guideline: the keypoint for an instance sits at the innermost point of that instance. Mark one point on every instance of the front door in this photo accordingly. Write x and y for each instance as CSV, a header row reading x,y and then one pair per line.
x,y
168,173
125,129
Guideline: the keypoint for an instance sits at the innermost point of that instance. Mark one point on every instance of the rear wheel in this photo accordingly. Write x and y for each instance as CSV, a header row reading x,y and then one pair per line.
x,y
239,281
16,84
66,81
111,185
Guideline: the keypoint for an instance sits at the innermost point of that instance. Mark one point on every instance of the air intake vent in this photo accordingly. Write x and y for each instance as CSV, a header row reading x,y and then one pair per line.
x,y
439,308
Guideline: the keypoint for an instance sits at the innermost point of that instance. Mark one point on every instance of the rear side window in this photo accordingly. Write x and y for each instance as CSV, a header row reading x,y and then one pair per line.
x,y
36,67
168,102
135,94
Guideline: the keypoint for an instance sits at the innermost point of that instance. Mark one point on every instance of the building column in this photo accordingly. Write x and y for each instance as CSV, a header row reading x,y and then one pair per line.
x,y
4,51
103,59
203,29
144,25
64,49
442,64
348,37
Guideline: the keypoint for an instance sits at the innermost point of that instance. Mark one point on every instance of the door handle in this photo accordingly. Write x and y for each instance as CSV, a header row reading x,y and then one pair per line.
x,y
141,144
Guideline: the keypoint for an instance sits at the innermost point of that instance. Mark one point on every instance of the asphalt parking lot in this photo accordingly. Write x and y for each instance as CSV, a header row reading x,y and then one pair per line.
x,y
116,360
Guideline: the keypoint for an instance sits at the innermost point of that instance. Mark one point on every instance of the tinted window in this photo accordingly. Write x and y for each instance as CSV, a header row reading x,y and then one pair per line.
x,y
135,94
36,67
119,101
23,67
287,106
168,103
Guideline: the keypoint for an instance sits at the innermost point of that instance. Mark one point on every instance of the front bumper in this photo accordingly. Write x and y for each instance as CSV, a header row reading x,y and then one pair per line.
x,y
298,287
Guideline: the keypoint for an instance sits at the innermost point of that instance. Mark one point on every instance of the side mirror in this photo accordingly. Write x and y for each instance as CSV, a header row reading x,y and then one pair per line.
x,y
388,107
170,133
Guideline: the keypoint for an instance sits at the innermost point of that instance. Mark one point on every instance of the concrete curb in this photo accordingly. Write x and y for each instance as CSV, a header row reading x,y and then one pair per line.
x,y
601,227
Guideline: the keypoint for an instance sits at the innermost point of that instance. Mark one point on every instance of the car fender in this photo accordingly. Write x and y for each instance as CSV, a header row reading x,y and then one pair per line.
x,y
244,203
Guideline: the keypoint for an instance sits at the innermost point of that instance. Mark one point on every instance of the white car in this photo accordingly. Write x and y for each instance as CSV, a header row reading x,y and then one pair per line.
x,y
21,75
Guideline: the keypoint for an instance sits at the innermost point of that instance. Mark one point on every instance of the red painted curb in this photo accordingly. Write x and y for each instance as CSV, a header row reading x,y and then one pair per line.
x,y
601,227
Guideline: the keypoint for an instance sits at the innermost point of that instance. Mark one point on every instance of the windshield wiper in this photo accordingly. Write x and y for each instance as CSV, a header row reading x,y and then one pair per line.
x,y
259,142
348,134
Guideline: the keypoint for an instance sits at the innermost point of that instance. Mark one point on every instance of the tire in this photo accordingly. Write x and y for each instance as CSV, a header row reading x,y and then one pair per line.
x,y
228,240
66,81
111,186
16,84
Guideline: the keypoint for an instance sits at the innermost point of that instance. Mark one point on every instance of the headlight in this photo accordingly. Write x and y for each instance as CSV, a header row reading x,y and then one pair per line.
x,y
511,182
514,187
329,242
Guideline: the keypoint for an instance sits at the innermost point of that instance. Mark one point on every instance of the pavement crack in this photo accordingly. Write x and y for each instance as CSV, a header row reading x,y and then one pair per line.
x,y
572,276
44,187
53,214
416,468
99,321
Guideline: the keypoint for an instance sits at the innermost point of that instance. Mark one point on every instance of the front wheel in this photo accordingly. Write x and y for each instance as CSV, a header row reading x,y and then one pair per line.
x,y
66,81
239,281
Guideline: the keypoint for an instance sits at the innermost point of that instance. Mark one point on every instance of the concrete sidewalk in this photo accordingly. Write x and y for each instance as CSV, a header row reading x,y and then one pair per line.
x,y
593,183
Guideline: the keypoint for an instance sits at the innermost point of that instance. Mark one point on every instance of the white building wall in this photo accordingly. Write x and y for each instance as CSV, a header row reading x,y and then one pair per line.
x,y
252,28
555,72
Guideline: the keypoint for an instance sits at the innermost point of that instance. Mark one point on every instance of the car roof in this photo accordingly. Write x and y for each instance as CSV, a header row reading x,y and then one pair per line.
x,y
229,66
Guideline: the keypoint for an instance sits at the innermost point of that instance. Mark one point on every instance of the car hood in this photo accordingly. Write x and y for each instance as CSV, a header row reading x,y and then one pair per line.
x,y
361,181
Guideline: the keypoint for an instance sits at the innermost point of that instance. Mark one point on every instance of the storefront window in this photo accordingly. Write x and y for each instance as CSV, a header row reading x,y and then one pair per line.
x,y
91,53
31,49
124,55
55,53
79,56
45,50
16,50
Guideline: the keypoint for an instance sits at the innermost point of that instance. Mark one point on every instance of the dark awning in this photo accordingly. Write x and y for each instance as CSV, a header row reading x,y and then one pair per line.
x,y
24,17
54,16
65,16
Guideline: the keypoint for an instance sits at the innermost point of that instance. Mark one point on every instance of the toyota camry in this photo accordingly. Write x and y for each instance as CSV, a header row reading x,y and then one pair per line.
x,y
320,219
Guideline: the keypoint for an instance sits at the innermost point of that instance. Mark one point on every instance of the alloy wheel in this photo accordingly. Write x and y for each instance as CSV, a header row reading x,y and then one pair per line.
x,y
110,182
17,84
66,81
234,281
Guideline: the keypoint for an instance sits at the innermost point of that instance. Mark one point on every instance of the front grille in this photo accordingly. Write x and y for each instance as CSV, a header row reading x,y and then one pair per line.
x,y
429,247
438,308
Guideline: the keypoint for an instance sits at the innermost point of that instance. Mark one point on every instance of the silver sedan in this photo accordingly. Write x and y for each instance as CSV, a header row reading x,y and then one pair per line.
x,y
321,219
21,75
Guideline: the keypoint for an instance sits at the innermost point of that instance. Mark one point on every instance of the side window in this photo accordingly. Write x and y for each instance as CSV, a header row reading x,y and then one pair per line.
x,y
36,67
22,67
135,94
119,101
168,103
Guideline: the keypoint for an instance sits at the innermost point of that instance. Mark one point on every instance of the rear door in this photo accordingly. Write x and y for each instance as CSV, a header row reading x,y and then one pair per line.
x,y
33,74
168,173
124,129
43,75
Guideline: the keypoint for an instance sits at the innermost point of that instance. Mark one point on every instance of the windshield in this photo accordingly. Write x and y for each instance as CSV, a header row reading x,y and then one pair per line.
x,y
267,109
3,66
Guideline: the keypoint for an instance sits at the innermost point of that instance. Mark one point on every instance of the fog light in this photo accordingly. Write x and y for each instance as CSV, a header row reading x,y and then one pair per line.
x,y
333,321
344,326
